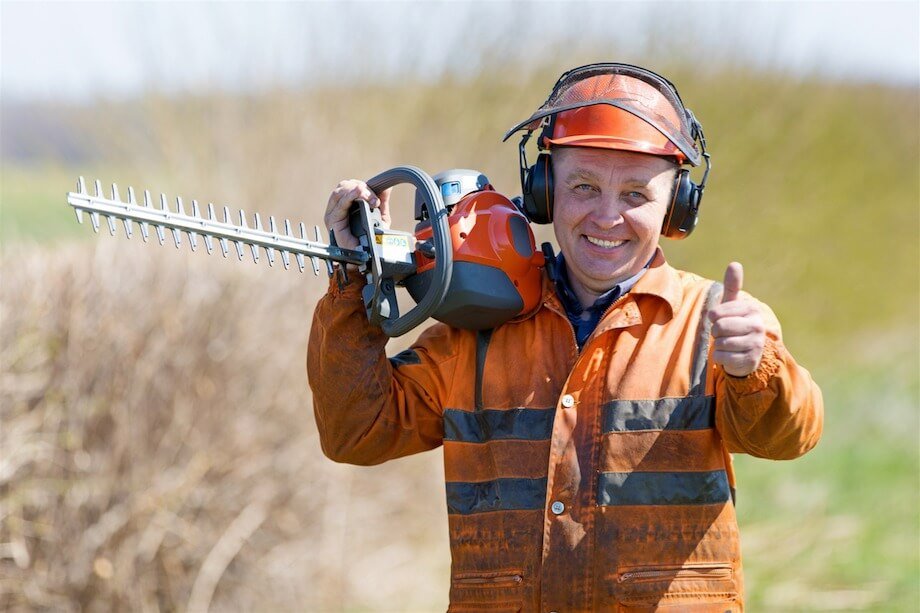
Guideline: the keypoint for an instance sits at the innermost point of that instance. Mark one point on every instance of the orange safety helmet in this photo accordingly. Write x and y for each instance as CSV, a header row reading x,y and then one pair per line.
x,y
607,127
616,106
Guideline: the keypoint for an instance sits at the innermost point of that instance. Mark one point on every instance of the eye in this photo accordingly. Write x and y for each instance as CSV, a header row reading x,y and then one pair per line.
x,y
636,196
584,188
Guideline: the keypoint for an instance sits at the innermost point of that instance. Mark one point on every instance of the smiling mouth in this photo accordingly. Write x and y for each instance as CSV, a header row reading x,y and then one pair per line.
x,y
603,243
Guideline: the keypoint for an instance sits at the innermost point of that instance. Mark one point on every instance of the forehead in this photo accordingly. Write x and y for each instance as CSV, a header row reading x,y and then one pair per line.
x,y
608,163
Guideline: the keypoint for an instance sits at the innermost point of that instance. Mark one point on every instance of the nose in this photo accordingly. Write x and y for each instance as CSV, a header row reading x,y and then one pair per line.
x,y
608,214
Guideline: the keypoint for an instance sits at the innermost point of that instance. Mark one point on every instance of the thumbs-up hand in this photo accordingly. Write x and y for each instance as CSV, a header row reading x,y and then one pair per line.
x,y
738,328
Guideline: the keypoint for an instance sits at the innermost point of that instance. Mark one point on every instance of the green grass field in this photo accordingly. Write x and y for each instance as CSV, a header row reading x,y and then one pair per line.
x,y
815,189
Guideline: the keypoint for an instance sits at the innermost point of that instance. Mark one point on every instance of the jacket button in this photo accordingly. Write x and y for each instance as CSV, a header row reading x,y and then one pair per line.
x,y
567,401
557,508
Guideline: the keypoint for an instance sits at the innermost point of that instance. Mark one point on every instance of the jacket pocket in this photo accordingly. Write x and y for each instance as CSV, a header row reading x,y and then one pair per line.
x,y
486,591
507,578
490,606
702,583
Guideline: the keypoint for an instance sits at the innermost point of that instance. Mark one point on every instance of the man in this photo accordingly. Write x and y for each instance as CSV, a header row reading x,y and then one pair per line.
x,y
586,444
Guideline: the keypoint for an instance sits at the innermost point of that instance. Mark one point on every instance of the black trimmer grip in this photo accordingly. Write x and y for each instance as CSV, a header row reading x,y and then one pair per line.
x,y
440,279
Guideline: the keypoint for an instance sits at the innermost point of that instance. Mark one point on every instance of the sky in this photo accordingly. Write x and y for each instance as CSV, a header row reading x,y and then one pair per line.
x,y
77,50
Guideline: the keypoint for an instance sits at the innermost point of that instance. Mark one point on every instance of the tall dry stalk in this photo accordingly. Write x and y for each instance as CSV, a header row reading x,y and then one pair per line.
x,y
159,450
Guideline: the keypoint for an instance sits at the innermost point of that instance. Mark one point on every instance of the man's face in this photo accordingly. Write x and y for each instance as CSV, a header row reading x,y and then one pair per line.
x,y
609,207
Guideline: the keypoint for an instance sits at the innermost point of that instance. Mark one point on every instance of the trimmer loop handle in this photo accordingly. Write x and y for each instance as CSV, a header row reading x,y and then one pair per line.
x,y
437,215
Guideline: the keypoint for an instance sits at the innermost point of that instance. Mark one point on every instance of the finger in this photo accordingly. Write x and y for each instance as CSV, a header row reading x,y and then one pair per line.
x,y
737,326
384,203
360,192
739,344
350,190
735,308
339,196
734,276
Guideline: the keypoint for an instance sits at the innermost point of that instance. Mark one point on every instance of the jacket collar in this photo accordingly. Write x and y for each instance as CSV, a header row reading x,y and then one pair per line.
x,y
660,281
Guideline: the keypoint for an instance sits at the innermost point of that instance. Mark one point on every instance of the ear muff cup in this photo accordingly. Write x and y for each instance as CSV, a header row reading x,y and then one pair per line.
x,y
538,190
684,211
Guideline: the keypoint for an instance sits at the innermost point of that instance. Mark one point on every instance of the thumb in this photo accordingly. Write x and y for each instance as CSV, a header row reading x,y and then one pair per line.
x,y
734,276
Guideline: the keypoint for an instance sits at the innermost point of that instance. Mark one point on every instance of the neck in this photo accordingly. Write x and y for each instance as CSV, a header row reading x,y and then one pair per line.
x,y
587,296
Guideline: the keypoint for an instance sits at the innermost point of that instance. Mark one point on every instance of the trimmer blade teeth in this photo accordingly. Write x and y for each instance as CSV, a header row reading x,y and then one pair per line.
x,y
277,238
193,236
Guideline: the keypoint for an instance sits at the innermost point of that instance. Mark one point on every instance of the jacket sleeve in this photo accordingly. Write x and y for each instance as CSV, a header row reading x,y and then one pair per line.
x,y
369,408
775,412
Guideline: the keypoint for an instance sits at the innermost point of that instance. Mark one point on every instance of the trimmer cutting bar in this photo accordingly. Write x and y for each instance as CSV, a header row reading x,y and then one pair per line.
x,y
145,215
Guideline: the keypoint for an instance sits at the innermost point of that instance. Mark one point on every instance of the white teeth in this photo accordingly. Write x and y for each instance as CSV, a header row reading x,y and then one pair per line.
x,y
601,243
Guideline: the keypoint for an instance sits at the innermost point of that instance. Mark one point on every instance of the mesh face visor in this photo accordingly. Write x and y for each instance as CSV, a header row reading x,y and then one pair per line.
x,y
632,89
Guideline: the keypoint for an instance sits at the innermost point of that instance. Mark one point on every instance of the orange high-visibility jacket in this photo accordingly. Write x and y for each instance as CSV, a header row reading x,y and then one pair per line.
x,y
576,481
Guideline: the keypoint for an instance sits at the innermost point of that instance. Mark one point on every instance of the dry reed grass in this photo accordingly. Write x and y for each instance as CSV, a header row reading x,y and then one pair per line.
x,y
159,451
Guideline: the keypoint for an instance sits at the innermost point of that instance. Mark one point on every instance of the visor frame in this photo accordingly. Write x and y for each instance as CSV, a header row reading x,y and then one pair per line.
x,y
685,141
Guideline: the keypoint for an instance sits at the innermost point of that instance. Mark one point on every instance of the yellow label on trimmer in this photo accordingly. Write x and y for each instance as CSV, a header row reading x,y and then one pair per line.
x,y
388,240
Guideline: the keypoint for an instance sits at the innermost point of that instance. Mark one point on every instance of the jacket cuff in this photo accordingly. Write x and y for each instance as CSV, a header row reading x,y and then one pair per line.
x,y
770,362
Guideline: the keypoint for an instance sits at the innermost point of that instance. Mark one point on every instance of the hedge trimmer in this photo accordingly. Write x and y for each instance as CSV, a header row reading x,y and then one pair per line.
x,y
470,263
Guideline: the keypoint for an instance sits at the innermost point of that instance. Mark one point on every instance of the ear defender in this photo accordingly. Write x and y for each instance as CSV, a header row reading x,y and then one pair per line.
x,y
538,190
537,180
683,212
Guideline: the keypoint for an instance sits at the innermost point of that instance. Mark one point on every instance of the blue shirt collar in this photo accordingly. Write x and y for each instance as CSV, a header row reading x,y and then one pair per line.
x,y
574,310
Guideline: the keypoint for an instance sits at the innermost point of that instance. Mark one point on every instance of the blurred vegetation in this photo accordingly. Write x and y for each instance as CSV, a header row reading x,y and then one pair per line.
x,y
157,436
